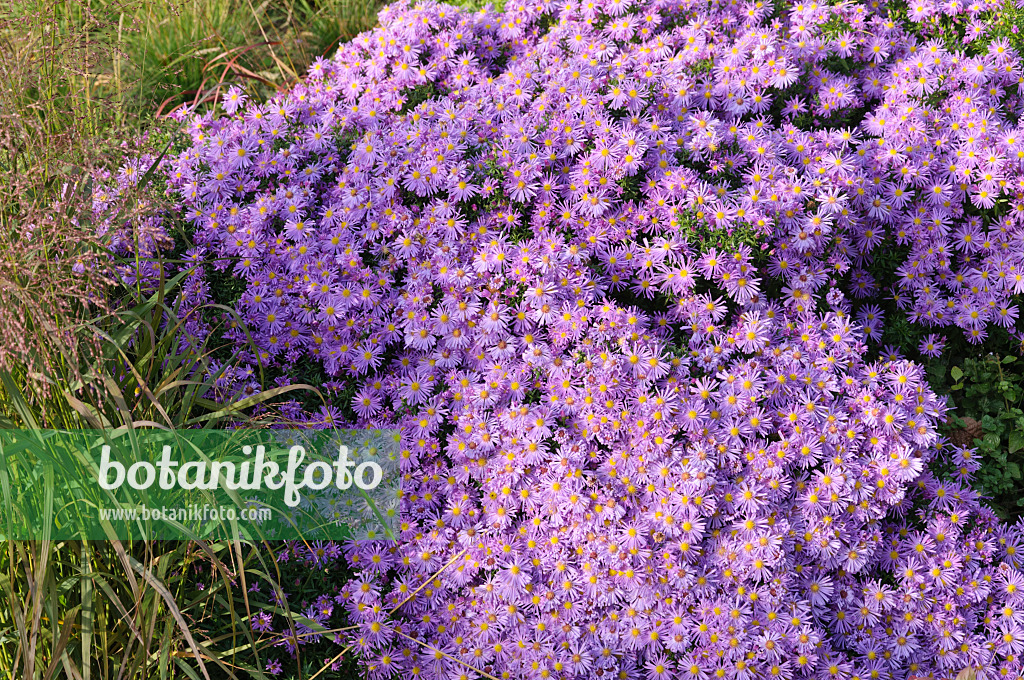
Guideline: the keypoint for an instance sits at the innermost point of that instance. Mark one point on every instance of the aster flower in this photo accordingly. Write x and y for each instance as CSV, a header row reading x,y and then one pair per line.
x,y
931,345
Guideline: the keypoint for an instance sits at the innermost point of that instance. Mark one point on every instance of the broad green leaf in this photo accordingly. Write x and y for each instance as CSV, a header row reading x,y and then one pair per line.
x,y
956,373
1016,441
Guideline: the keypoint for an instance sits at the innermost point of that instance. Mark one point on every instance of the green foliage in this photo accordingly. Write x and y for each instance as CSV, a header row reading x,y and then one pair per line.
x,y
1007,24
171,44
413,97
835,26
898,330
990,390
477,5
328,23
702,67
701,236
225,287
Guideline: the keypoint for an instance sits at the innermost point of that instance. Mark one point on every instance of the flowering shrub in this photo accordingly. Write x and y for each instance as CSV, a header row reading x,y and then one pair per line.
x,y
630,452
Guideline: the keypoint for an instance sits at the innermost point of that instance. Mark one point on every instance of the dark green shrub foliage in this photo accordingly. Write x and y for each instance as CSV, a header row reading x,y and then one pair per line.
x,y
990,391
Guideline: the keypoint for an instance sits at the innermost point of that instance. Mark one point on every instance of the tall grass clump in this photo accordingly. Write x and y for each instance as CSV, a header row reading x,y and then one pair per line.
x,y
326,24
170,45
85,343
122,608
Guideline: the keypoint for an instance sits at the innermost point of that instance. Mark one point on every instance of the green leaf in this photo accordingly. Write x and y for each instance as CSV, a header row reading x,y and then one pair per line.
x,y
1009,359
1014,470
242,404
1016,441
956,373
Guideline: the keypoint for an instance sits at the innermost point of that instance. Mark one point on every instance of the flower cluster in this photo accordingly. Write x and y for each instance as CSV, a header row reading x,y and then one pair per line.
x,y
624,455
